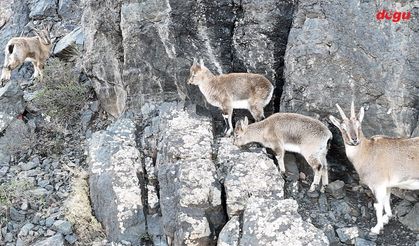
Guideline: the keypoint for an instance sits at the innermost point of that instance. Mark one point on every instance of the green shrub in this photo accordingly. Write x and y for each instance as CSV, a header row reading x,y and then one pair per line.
x,y
62,96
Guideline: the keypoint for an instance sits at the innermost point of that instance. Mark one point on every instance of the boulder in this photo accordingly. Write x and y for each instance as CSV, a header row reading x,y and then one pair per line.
x,y
411,219
75,37
271,222
247,174
56,240
114,166
190,194
11,103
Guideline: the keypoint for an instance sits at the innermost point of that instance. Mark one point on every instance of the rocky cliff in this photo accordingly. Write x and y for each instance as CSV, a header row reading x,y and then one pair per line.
x,y
143,162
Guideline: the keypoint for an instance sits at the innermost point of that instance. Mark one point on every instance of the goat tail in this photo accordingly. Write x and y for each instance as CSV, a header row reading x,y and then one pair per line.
x,y
10,48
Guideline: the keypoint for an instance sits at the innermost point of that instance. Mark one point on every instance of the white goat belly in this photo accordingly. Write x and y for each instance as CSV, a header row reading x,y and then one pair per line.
x,y
292,148
411,184
243,104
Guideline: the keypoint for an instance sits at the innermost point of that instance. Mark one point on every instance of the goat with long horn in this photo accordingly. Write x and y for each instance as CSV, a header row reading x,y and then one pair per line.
x,y
20,49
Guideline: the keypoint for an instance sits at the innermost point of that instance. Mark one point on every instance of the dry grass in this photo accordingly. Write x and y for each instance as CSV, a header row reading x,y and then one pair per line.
x,y
14,192
79,212
62,96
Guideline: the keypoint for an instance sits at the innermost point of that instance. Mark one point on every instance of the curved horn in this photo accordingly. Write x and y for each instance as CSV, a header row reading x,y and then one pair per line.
x,y
35,30
342,114
352,110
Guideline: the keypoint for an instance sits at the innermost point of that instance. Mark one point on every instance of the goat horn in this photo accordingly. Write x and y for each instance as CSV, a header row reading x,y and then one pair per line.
x,y
342,114
352,109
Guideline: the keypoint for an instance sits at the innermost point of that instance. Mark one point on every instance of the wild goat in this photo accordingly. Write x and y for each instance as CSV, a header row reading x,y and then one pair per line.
x,y
290,132
381,162
234,90
34,49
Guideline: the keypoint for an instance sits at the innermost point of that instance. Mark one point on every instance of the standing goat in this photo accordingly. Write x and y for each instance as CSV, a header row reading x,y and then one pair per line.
x,y
290,132
381,162
234,90
34,49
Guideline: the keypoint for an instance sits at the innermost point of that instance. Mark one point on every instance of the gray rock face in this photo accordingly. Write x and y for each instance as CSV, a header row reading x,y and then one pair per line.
x,y
411,219
336,189
104,53
56,240
347,235
247,175
74,37
369,61
11,103
271,222
190,194
69,9
167,35
42,8
114,163
62,226
260,29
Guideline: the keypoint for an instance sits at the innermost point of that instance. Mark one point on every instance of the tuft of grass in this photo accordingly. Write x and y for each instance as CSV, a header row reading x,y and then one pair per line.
x,y
78,211
62,96
13,192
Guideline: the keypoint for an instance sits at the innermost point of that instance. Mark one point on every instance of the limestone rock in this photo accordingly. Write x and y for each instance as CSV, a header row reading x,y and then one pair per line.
x,y
190,194
411,219
11,103
368,61
114,163
247,175
272,222
56,240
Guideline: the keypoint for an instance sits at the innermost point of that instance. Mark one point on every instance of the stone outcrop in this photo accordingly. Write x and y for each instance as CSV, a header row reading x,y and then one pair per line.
x,y
11,103
190,194
247,175
270,222
369,61
114,164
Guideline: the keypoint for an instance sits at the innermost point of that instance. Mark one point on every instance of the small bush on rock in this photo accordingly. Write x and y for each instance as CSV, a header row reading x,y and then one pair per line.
x,y
62,96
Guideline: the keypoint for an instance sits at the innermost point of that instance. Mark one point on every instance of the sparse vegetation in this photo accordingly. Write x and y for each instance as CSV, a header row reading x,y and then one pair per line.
x,y
62,96
79,212
11,193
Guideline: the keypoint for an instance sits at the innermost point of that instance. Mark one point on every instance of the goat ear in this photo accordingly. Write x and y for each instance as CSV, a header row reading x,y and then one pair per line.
x,y
201,62
194,61
238,125
334,121
246,121
361,114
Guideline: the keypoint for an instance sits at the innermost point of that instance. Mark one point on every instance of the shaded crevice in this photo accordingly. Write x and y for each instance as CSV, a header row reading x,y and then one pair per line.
x,y
219,177
237,65
241,224
143,182
280,45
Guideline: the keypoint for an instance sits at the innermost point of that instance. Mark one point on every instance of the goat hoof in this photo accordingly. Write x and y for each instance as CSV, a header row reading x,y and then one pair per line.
x,y
375,230
312,188
386,218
